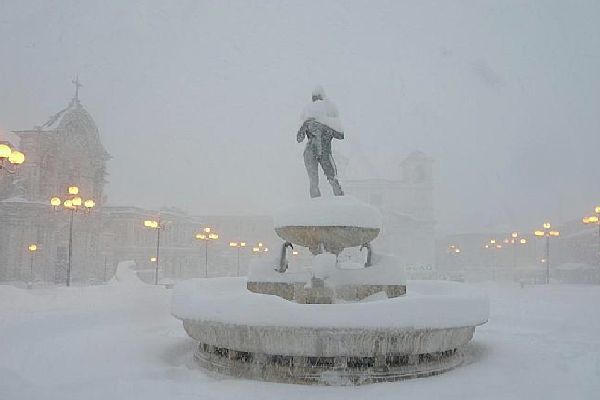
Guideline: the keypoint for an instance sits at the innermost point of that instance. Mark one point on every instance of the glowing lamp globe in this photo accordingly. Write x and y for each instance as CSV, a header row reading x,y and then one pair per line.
x,y
5,151
55,201
16,157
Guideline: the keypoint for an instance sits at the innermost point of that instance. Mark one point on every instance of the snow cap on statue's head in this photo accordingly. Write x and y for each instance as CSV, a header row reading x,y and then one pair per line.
x,y
318,93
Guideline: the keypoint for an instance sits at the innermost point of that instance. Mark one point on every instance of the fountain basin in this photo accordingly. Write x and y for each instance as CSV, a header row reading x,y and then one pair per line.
x,y
258,336
331,222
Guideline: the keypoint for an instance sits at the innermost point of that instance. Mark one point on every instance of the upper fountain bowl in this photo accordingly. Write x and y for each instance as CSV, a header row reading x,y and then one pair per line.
x,y
333,222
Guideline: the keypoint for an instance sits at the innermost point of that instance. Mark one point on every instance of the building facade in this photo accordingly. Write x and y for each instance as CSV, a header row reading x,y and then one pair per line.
x,y
64,151
406,203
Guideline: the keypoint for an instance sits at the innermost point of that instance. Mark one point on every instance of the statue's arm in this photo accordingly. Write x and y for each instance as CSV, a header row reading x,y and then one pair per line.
x,y
302,132
338,135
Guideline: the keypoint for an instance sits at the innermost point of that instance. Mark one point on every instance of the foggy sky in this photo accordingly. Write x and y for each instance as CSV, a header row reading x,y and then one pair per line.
x,y
198,102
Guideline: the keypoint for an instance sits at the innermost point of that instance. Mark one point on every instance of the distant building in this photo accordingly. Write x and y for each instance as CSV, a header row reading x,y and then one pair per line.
x,y
67,150
63,151
406,202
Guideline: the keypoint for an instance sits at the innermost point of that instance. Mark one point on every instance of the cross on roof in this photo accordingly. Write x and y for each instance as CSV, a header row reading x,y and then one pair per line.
x,y
77,86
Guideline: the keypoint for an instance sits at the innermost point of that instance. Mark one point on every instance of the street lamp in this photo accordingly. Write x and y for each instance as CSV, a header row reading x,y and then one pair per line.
x,y
10,158
547,232
238,246
515,241
492,245
453,249
206,235
259,248
32,248
594,219
73,203
155,224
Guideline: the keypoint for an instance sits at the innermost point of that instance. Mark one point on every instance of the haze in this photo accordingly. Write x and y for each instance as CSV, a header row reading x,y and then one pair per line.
x,y
198,102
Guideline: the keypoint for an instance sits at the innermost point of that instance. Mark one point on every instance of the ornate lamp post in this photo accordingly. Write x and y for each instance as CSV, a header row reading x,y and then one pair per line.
x,y
73,203
237,246
547,233
493,245
259,248
515,241
153,224
594,219
206,235
32,248
453,249
10,158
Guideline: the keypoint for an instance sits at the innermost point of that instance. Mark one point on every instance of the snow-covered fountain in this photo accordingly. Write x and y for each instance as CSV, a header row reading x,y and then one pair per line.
x,y
333,322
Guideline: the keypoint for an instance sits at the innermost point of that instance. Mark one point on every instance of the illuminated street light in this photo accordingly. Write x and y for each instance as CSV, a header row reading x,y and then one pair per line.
x,y
73,203
492,245
453,249
155,224
594,219
10,158
32,248
238,246
515,241
547,233
207,236
259,248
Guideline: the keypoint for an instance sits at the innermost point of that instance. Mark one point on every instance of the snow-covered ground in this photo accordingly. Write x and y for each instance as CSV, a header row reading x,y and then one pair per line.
x,y
120,342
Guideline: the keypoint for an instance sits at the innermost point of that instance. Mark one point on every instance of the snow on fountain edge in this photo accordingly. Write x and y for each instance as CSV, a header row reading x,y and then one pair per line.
x,y
428,304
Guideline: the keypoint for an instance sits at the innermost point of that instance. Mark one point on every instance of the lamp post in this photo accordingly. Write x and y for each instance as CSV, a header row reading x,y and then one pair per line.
x,y
155,224
493,245
452,251
206,235
259,249
547,232
10,158
515,241
73,203
32,248
594,219
238,246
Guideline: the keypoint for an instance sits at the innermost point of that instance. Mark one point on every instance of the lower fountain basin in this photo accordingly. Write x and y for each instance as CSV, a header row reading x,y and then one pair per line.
x,y
265,337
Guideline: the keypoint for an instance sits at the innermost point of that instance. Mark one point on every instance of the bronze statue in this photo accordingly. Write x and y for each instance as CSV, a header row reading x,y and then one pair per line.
x,y
320,124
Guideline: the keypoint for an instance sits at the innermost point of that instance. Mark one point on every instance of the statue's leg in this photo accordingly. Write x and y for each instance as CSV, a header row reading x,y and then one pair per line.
x,y
330,171
311,163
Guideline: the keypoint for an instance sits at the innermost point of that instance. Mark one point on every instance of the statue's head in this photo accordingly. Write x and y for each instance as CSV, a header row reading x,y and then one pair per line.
x,y
318,93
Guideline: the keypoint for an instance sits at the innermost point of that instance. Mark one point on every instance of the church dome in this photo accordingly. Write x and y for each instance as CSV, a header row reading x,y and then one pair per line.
x,y
76,114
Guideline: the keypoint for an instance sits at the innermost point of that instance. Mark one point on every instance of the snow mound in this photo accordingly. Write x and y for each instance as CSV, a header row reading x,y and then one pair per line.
x,y
125,275
428,304
330,211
